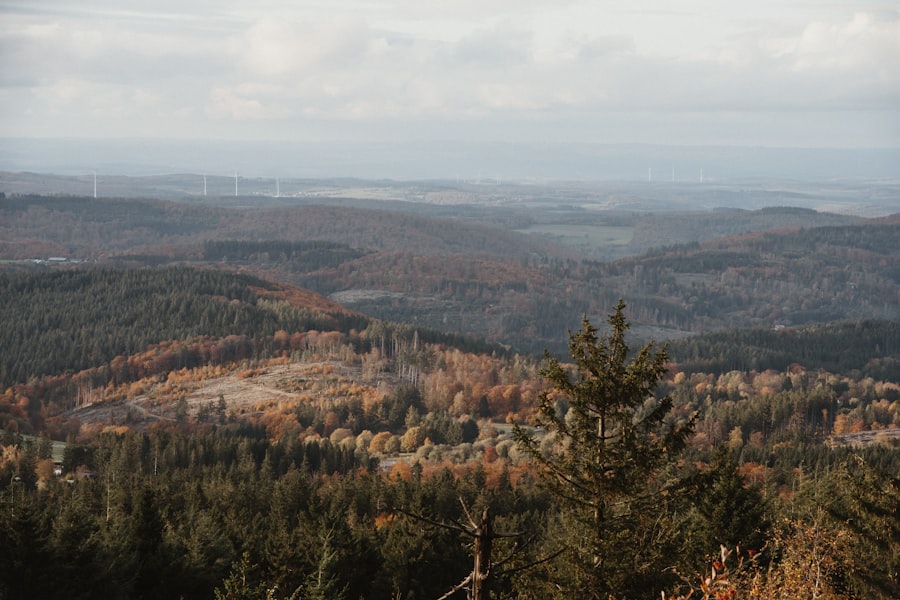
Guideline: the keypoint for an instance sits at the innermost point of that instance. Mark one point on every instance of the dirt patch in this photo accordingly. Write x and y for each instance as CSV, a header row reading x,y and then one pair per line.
x,y
244,392
866,438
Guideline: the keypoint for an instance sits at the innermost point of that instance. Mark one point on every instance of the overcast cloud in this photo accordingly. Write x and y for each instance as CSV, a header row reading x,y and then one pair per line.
x,y
772,73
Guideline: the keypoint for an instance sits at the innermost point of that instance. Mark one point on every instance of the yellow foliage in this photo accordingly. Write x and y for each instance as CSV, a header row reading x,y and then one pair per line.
x,y
384,520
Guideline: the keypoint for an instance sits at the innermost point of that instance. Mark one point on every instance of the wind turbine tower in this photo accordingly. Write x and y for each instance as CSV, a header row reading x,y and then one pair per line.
x,y
277,188
235,184
204,184
649,174
95,184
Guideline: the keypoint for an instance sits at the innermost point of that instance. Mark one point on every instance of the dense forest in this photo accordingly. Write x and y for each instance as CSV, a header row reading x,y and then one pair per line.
x,y
232,515
179,419
869,347
77,319
336,457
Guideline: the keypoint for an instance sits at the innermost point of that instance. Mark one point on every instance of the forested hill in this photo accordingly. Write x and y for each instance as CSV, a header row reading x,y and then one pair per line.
x,y
766,279
657,230
74,319
871,348
460,277
785,277
93,228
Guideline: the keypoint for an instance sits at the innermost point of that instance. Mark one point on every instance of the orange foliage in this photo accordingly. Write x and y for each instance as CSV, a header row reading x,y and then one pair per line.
x,y
371,397
753,473
401,470
841,424
117,429
280,425
383,520
376,446
44,471
757,439
504,399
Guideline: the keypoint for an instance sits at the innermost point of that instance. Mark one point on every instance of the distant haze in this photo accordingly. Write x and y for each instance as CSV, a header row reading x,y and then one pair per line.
x,y
484,162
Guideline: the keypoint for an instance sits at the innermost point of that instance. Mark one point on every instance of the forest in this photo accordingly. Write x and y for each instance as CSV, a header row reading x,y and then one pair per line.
x,y
324,455
473,271
344,402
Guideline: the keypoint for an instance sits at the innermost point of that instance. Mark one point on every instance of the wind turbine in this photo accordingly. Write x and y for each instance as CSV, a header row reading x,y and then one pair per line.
x,y
204,184
235,184
95,184
277,188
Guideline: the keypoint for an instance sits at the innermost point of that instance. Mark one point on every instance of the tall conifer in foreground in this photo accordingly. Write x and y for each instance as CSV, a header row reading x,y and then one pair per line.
x,y
608,453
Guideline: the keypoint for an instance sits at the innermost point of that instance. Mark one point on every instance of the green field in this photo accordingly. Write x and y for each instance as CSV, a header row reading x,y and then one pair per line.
x,y
583,236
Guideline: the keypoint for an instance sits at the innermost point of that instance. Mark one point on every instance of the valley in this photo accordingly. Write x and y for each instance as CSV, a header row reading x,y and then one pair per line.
x,y
244,377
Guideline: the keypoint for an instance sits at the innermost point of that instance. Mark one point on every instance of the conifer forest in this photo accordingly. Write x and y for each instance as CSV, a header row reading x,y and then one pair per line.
x,y
325,400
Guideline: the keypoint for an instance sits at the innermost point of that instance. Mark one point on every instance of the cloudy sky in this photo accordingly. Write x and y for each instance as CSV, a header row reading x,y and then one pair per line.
x,y
798,73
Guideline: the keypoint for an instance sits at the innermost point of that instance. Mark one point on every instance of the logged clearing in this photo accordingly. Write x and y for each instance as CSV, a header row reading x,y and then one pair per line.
x,y
865,438
243,392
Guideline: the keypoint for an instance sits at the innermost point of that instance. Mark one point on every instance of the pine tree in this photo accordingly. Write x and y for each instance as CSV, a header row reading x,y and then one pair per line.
x,y
610,453
730,513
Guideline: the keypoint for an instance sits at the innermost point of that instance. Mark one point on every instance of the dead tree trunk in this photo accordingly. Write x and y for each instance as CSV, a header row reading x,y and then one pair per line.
x,y
481,573
479,581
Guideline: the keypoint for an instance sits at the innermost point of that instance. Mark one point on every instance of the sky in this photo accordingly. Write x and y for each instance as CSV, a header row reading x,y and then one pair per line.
x,y
772,73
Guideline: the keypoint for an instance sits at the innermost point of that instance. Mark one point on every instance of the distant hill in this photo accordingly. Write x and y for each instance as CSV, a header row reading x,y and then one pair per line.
x,y
658,230
780,277
489,280
92,228
77,318
785,277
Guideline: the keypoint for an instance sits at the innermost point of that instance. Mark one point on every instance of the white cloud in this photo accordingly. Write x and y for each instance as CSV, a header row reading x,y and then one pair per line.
x,y
211,64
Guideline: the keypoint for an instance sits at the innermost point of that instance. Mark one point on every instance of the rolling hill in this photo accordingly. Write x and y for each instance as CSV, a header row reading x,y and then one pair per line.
x,y
490,279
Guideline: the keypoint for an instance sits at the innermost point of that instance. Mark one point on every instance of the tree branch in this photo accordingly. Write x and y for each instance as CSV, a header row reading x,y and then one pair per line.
x,y
457,587
455,527
532,564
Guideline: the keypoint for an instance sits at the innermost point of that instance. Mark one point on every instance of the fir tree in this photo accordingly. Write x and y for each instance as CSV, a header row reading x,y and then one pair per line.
x,y
609,457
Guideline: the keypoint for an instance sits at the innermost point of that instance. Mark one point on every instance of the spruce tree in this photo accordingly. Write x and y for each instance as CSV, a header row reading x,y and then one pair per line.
x,y
606,452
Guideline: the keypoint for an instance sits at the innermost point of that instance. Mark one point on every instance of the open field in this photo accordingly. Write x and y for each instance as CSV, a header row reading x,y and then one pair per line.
x,y
586,237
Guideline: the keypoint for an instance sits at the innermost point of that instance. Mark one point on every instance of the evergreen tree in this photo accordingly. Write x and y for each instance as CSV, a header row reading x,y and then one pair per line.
x,y
866,501
148,543
729,512
609,459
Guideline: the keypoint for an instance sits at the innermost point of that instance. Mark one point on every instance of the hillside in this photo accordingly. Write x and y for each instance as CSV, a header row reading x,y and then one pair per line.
x,y
658,230
75,319
90,228
227,453
871,348
765,279
491,279
199,335
173,346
